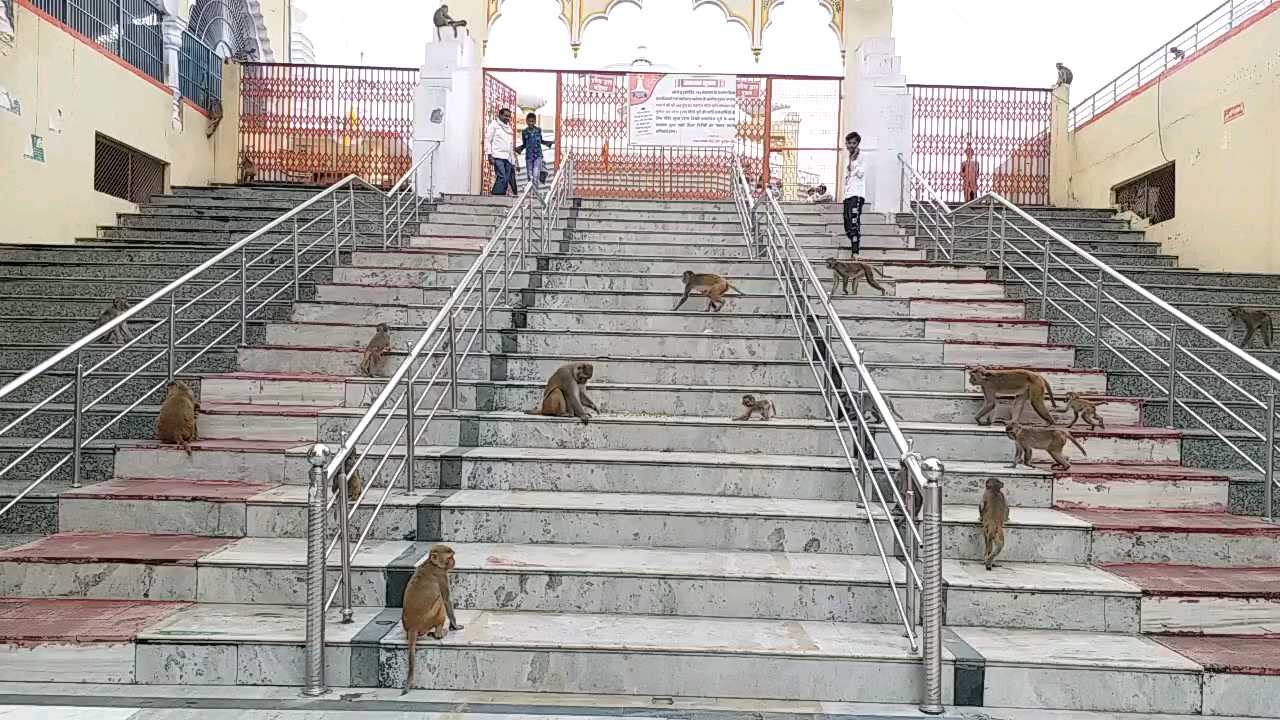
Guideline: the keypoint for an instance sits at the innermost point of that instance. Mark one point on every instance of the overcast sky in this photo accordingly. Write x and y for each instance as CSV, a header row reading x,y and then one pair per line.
x,y
971,42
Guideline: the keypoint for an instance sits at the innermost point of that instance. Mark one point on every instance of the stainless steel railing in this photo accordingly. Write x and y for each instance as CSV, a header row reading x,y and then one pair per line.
x,y
402,203
384,440
243,280
1205,382
848,391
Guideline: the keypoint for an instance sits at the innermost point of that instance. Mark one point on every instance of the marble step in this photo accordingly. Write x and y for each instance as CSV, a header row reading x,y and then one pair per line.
x,y
1184,538
730,268
1141,487
825,248
1195,600
669,223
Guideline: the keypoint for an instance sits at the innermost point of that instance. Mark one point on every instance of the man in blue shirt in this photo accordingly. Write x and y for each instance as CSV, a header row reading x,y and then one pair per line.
x,y
531,143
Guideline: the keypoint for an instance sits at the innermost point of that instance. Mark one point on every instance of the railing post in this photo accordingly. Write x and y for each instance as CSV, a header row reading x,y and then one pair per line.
x,y
1268,489
385,239
931,593
317,533
344,542
297,268
1004,224
76,440
453,363
1173,372
244,296
1044,282
1097,319
337,240
991,217
484,308
173,335
410,428
351,200
902,185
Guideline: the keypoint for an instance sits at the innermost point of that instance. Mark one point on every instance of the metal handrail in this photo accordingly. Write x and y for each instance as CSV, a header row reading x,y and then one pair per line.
x,y
563,183
1200,34
395,215
1167,340
823,335
396,419
183,347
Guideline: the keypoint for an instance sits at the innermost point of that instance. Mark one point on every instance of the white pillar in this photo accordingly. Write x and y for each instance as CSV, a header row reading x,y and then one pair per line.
x,y
881,112
447,111
171,29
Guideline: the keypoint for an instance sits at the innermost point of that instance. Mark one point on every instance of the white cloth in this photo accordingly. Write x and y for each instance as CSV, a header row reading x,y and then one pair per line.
x,y
855,178
498,141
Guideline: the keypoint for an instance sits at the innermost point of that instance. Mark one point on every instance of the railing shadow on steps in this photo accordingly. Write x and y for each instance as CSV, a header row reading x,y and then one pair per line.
x,y
240,277
382,445
849,394
1205,382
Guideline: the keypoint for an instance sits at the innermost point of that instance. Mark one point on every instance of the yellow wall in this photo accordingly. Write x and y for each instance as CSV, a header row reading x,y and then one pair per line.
x,y
275,13
1228,173
48,71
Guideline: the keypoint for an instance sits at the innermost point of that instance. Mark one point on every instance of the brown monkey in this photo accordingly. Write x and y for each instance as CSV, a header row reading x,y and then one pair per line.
x,y
871,413
1029,437
349,470
215,118
248,170
993,513
121,334
427,606
1024,385
847,271
566,392
1086,409
1253,321
374,360
712,287
177,421
752,404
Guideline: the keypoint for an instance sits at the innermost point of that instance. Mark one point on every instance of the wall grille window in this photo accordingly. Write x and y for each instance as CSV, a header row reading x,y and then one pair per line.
x,y
127,28
199,72
1149,196
121,171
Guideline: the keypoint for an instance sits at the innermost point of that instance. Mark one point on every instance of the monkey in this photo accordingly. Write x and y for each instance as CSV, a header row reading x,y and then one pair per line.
x,y
752,404
1065,76
993,513
121,334
1252,320
712,286
354,484
248,170
374,360
426,603
215,118
1087,409
872,413
1025,385
846,271
442,20
565,393
1029,437
177,420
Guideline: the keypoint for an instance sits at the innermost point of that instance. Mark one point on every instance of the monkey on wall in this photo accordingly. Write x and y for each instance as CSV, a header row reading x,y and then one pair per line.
x,y
711,286
427,607
176,423
565,393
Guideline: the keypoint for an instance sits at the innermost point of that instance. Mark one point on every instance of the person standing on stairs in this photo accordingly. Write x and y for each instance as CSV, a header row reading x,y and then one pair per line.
x,y
499,142
531,143
855,191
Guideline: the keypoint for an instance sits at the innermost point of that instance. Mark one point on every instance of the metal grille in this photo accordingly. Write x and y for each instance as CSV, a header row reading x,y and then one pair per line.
x,y
1150,196
127,28
316,124
121,171
1007,128
199,72
497,95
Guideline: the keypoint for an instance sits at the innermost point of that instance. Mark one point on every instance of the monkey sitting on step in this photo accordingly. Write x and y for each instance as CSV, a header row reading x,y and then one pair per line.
x,y
121,334
565,393
176,423
753,404
1086,410
1035,437
847,271
373,364
712,287
427,606
1025,385
993,514
1253,321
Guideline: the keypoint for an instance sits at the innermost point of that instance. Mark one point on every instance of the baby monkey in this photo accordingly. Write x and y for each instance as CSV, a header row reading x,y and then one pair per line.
x,y
851,271
121,334
1086,410
711,286
1253,321
374,361
427,606
1035,437
993,514
176,423
752,404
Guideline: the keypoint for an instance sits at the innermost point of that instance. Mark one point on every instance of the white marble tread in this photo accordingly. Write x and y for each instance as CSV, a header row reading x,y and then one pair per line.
x,y
227,623
1035,576
585,559
1058,648
1021,516
651,504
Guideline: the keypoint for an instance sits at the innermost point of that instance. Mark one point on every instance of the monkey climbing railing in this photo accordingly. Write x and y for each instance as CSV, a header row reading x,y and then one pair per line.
x,y
209,308
1205,385
384,441
850,394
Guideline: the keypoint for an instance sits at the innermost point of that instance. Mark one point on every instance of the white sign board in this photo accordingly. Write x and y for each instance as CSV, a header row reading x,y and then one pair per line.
x,y
682,110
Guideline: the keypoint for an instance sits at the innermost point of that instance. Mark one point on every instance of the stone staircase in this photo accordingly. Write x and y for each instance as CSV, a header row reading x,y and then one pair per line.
x,y
662,550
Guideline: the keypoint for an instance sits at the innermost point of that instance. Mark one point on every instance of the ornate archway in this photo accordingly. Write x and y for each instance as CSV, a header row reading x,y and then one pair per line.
x,y
233,28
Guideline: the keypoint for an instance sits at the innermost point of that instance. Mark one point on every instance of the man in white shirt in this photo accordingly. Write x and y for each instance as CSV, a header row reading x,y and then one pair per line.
x,y
855,191
499,145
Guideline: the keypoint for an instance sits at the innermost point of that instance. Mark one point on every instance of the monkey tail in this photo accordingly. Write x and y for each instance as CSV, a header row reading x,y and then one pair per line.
x,y
412,635
1053,401
1076,442
736,290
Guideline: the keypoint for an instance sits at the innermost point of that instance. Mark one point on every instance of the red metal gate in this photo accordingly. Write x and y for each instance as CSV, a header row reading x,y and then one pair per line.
x,y
319,123
1007,128
497,95
591,124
